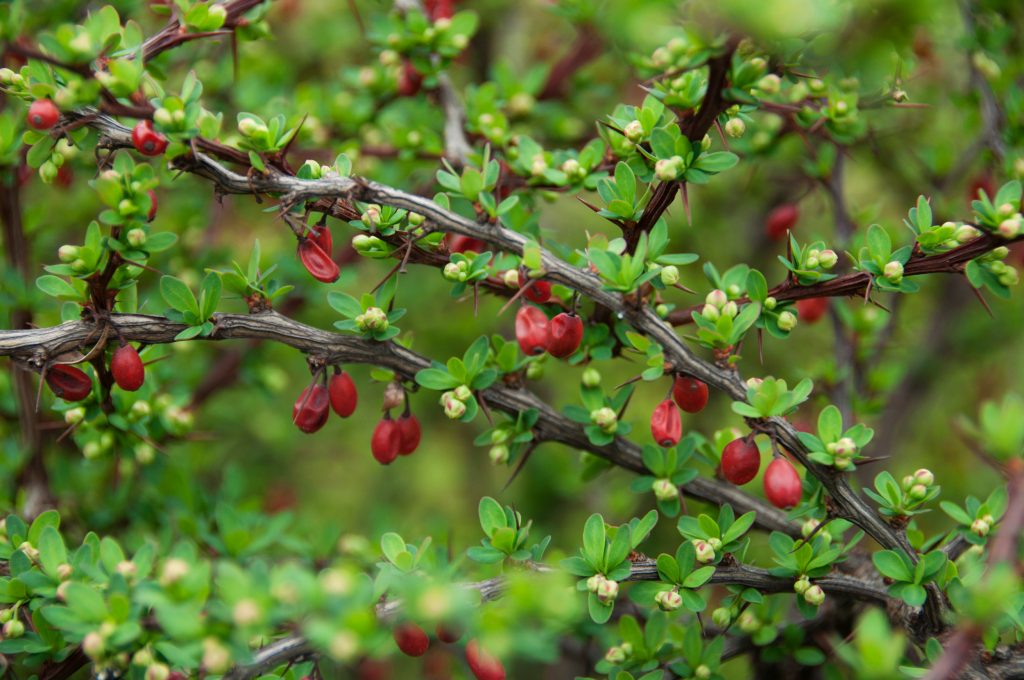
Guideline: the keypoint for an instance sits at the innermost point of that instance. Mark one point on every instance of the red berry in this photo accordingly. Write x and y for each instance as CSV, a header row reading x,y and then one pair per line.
x,y
812,309
740,460
318,263
408,434
127,368
411,639
532,330
483,665
322,235
565,334
691,394
666,425
448,634
69,383
457,243
782,484
370,669
43,114
537,291
65,176
152,206
781,220
439,9
386,441
409,80
146,140
344,396
310,410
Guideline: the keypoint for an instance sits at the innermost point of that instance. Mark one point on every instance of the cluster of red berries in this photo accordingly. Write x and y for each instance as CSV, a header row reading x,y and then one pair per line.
x,y
71,383
690,395
315,254
559,336
741,459
393,438
312,407
414,641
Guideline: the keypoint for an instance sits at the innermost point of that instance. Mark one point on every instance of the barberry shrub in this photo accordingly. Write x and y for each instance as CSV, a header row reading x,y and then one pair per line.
x,y
306,303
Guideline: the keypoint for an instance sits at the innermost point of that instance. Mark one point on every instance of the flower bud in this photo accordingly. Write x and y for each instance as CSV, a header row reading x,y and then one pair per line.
x,y
594,582
605,418
634,131
787,320
801,585
918,492
538,166
93,645
174,570
511,278
607,591
980,527
988,519
14,629
144,454
702,672
246,612
451,271
1009,277
140,409
716,298
498,454
846,448
463,393
667,169
73,416
966,233
68,253
664,490
216,657
811,262
733,291
373,319
136,237
127,568
6,76
159,671
1010,227
670,275
705,553
615,655
770,303
250,127
662,311
769,84
591,377
730,309
828,259
748,623
924,476
705,143
668,600
721,617
371,216
572,167
1006,210
893,271
814,595
735,127
64,571
453,408
710,312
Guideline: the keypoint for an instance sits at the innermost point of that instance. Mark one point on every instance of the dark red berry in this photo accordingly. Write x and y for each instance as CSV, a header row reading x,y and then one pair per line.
x,y
812,309
781,220
386,441
483,665
127,368
311,408
690,394
43,114
537,291
69,383
344,396
409,434
322,235
318,263
65,176
666,425
740,460
782,484
439,9
458,243
409,80
411,639
564,334
146,140
448,634
532,330
152,206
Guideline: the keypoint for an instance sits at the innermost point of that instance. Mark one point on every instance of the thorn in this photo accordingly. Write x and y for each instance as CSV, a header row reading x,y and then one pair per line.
x,y
521,465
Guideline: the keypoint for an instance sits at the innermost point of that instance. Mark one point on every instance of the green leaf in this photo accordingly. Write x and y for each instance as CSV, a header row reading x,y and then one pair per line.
x,y
344,304
830,424
889,563
436,379
492,516
177,295
594,540
54,286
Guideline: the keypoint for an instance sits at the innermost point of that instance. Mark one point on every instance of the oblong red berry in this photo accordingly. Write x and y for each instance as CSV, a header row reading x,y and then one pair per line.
x,y
483,665
43,114
666,425
781,220
409,80
741,460
311,409
127,369
782,485
532,330
322,235
68,382
458,243
690,394
411,639
318,263
386,441
537,291
409,434
565,332
812,309
343,393
146,140
152,206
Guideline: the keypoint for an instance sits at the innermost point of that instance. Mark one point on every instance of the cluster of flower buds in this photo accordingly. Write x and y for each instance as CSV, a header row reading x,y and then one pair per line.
x,y
371,216
454,401
983,525
916,486
665,490
717,303
843,451
499,451
457,271
812,594
619,653
605,588
668,169
993,261
669,600
373,319
606,419
1011,221
704,550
